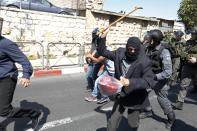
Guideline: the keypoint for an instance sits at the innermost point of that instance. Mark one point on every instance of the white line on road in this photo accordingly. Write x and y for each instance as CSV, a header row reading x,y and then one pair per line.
x,y
68,120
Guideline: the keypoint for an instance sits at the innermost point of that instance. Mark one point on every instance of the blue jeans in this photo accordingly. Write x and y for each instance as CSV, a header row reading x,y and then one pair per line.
x,y
95,91
89,79
91,74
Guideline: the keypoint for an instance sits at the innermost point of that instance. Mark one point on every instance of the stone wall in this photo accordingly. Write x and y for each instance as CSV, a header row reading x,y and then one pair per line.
x,y
23,25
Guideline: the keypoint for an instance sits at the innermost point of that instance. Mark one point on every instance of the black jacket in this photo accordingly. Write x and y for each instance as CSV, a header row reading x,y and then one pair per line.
x,y
139,74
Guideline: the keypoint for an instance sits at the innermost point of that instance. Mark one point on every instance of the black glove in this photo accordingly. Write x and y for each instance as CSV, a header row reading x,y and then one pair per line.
x,y
118,96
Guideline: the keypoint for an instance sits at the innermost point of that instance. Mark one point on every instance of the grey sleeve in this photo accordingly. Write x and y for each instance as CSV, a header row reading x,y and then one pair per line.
x,y
166,65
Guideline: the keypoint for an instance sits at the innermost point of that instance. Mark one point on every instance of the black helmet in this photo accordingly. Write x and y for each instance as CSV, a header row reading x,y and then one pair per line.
x,y
147,36
193,30
178,33
147,39
156,35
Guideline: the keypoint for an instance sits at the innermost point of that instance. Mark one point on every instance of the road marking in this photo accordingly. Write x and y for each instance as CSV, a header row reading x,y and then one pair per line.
x,y
67,120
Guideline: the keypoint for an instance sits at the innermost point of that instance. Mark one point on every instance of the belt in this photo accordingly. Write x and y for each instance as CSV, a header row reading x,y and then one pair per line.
x,y
9,76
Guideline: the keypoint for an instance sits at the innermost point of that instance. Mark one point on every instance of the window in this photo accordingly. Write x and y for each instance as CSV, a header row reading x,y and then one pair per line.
x,y
112,19
45,2
36,1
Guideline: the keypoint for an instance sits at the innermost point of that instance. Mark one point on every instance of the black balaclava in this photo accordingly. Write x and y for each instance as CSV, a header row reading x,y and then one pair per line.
x,y
133,42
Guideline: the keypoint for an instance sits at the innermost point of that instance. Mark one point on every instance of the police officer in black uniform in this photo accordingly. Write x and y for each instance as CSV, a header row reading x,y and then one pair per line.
x,y
9,54
189,70
162,67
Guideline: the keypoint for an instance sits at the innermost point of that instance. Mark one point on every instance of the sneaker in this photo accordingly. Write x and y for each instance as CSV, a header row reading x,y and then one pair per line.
x,y
103,100
35,120
91,99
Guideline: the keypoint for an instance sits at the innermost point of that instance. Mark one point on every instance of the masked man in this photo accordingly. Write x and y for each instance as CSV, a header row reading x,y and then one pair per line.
x,y
133,69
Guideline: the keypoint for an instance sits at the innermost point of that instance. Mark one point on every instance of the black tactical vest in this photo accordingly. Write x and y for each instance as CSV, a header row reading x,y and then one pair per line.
x,y
154,56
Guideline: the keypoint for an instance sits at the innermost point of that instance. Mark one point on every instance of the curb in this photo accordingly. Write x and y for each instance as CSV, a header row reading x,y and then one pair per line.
x,y
55,72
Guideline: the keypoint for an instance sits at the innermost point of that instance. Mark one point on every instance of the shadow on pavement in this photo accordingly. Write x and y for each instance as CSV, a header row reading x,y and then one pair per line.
x,y
21,124
182,126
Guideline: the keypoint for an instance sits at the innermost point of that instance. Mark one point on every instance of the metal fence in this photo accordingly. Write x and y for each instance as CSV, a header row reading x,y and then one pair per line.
x,y
34,51
64,54
55,55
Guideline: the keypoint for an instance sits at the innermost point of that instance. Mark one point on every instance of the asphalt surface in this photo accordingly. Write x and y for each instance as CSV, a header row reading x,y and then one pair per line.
x,y
61,98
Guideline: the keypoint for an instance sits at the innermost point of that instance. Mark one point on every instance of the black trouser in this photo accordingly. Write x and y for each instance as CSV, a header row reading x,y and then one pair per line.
x,y
7,88
116,116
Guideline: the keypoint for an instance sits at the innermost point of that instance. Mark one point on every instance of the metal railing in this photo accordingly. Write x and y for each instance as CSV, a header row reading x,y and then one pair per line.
x,y
64,54
34,52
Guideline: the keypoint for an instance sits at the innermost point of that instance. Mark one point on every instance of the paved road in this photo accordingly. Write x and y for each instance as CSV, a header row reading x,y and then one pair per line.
x,y
62,100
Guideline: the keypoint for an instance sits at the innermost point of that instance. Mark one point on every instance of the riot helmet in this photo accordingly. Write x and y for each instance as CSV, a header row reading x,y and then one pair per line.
x,y
178,35
156,35
147,39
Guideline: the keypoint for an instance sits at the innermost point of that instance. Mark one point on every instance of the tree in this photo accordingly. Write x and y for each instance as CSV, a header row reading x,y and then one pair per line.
x,y
187,13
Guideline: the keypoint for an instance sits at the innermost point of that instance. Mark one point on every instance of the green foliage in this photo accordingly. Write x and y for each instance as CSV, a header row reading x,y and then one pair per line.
x,y
32,57
167,37
51,56
72,55
188,12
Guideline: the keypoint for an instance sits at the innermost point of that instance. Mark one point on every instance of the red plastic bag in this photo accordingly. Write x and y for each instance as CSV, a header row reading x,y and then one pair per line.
x,y
109,85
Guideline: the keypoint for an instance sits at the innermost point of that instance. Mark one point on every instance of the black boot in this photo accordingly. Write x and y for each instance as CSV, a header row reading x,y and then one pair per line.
x,y
193,90
134,129
171,120
2,128
178,105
